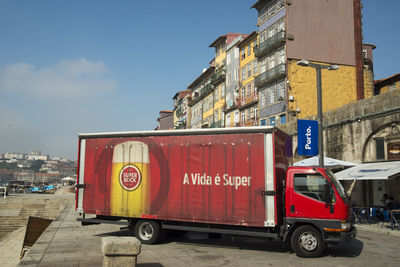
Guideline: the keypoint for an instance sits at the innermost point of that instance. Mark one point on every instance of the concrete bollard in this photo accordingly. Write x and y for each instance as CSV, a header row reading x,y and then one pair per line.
x,y
120,251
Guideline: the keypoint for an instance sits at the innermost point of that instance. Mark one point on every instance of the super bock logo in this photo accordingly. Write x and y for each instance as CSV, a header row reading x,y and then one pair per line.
x,y
130,177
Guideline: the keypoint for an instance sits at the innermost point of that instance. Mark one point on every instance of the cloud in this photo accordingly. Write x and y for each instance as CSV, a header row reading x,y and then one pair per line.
x,y
67,78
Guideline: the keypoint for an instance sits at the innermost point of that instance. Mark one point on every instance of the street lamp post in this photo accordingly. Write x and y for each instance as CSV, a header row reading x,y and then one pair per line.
x,y
318,68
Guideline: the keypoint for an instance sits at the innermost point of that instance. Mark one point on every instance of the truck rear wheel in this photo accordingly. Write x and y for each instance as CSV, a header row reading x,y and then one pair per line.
x,y
148,232
307,242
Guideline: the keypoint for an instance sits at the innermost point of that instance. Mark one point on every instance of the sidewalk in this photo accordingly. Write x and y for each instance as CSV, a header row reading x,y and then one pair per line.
x,y
66,243
377,227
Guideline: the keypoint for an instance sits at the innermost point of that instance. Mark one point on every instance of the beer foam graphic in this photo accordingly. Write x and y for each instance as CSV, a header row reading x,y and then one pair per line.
x,y
131,151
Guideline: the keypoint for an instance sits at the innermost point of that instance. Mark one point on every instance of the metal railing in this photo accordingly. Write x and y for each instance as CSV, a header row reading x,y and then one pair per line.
x,y
270,75
270,44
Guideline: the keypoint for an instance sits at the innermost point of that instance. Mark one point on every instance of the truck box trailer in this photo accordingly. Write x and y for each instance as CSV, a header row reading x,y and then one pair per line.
x,y
231,180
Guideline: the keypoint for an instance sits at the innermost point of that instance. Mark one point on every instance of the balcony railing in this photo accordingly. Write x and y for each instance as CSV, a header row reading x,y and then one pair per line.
x,y
270,44
218,76
270,75
179,112
249,99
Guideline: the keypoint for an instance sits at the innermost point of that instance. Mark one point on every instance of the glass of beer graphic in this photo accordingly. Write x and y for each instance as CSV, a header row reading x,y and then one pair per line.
x,y
130,180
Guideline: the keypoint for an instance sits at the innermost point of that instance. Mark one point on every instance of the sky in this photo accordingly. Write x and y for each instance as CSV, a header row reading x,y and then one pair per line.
x,y
70,67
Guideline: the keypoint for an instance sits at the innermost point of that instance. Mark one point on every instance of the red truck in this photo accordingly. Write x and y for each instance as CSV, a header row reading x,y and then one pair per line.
x,y
230,181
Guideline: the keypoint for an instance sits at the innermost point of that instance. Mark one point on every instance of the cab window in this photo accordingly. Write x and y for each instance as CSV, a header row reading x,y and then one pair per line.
x,y
311,185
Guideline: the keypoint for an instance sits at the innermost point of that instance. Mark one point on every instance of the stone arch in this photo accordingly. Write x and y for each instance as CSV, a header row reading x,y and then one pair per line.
x,y
373,133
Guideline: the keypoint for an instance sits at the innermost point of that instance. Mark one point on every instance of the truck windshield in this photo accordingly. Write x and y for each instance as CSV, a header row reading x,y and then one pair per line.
x,y
337,184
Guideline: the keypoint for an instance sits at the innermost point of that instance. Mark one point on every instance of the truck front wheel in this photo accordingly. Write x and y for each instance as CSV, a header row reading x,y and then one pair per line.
x,y
148,232
307,242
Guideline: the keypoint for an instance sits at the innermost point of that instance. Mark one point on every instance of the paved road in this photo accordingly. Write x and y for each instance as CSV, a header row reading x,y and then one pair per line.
x,y
194,249
67,243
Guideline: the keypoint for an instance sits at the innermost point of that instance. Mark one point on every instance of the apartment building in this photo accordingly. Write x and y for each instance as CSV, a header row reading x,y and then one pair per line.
x,y
201,91
232,113
321,32
181,110
248,96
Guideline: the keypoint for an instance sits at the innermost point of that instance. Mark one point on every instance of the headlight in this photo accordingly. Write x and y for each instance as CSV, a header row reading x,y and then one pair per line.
x,y
345,225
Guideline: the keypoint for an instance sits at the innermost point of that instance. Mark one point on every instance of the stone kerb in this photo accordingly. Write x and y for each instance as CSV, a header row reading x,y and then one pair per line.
x,y
120,251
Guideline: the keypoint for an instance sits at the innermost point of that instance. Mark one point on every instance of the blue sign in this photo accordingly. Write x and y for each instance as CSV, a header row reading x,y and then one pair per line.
x,y
307,133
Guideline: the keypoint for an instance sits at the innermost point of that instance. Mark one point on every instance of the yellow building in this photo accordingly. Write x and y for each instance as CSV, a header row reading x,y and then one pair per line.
x,y
215,115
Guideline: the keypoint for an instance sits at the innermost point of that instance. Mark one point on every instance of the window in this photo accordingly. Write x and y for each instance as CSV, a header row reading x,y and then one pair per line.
x,y
271,61
255,112
244,73
216,94
263,122
228,58
249,114
243,116
243,53
280,25
263,98
229,79
222,90
263,66
281,56
236,52
243,93
282,119
281,90
254,44
216,115
271,94
272,121
263,36
271,31
228,120
236,117
248,70
311,185
248,91
237,74
255,65
249,49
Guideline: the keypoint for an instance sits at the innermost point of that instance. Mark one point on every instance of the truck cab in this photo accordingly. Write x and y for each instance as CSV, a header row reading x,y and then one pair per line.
x,y
317,210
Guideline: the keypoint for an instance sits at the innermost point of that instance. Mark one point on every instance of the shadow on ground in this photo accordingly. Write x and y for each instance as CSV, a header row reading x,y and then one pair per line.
x,y
346,250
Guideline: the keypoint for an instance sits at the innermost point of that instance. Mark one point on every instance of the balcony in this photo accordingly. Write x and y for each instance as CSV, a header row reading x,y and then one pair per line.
x,y
249,100
178,112
206,90
270,75
218,76
270,44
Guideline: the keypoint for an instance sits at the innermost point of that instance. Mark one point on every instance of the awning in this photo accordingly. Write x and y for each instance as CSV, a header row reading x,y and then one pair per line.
x,y
314,161
371,171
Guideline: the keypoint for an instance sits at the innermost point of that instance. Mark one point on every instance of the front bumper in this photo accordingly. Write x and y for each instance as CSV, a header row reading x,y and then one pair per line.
x,y
341,237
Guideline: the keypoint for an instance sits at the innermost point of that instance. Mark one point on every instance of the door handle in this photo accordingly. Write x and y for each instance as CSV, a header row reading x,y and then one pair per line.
x,y
292,209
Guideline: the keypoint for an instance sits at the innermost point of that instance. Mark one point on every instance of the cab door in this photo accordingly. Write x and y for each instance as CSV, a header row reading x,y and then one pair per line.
x,y
307,196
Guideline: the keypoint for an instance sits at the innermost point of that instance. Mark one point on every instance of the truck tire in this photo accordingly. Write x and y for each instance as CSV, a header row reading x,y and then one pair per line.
x,y
307,242
148,232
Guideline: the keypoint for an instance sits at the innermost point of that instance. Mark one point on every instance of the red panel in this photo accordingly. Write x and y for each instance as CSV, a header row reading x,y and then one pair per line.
x,y
184,173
